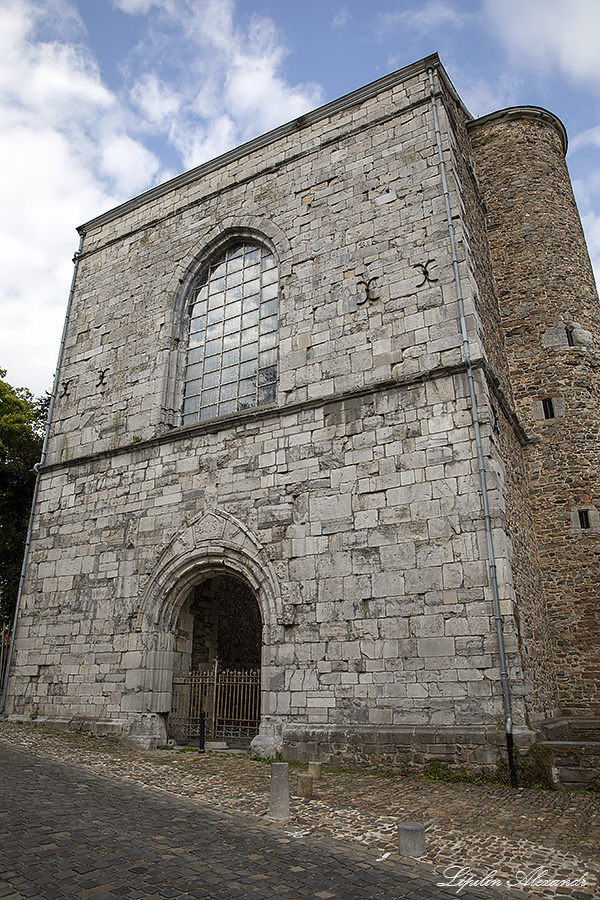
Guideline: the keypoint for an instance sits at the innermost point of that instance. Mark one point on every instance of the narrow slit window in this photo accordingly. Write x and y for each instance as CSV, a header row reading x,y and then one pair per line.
x,y
548,407
570,338
584,518
227,346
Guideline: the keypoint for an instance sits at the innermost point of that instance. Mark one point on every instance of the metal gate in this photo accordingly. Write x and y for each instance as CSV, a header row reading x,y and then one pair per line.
x,y
228,698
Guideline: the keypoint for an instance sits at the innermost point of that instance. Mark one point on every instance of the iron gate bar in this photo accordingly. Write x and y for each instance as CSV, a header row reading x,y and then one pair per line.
x,y
230,699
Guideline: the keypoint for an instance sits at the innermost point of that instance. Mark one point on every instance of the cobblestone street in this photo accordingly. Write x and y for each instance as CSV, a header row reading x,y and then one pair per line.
x,y
89,818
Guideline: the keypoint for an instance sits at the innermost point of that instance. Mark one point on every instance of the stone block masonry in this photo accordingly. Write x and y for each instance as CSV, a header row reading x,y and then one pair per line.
x,y
347,505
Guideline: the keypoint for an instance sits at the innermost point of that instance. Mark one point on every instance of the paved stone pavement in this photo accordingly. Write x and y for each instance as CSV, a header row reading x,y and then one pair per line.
x,y
89,818
71,833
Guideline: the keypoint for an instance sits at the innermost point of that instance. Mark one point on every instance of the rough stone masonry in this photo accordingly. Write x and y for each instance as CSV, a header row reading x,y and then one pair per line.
x,y
349,368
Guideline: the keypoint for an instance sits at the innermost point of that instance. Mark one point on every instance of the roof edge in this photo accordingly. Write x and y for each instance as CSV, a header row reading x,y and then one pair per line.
x,y
536,113
257,143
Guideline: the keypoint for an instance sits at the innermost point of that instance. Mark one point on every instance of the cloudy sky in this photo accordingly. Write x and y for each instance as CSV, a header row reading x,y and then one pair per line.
x,y
102,99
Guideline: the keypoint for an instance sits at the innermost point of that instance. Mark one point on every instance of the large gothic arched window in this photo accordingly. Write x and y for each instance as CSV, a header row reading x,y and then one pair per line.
x,y
232,351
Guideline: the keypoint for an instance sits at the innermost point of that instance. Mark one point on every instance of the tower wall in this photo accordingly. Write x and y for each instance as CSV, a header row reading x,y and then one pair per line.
x,y
550,318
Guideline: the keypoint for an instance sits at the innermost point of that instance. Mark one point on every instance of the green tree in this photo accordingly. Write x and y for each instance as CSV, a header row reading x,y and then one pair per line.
x,y
22,424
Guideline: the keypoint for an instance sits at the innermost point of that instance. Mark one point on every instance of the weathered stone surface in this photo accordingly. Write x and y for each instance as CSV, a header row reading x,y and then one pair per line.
x,y
349,508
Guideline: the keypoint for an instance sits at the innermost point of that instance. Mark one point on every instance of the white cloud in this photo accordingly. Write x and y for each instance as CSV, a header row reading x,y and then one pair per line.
x,y
203,144
156,101
134,7
64,159
426,16
255,92
71,148
226,85
591,226
128,164
588,138
550,33
480,96
341,18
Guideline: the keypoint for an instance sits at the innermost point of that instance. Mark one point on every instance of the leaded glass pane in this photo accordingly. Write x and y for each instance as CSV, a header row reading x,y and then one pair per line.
x,y
231,357
252,273
268,358
229,374
209,396
194,371
228,407
233,293
268,341
249,351
248,386
268,308
195,354
232,326
248,368
233,301
267,376
191,405
193,387
233,309
214,331
249,335
269,324
251,287
266,394
228,391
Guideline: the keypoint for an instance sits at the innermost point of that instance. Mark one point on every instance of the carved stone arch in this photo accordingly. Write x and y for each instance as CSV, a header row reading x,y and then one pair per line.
x,y
214,543
255,228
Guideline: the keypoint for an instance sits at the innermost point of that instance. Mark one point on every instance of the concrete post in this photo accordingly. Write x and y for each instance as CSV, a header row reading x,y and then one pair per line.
x,y
314,770
304,786
280,792
411,839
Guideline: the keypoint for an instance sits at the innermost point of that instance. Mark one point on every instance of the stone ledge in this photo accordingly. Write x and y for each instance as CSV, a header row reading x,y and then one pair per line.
x,y
116,727
478,746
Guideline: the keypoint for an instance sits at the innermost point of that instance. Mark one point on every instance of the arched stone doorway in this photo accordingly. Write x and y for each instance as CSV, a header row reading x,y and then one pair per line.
x,y
215,544
216,663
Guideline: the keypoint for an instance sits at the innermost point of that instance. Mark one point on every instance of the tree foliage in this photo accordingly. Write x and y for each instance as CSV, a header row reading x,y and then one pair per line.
x,y
22,424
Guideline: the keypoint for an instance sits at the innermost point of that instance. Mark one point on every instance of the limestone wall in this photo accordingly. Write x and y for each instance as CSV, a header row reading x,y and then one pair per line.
x,y
369,514
351,507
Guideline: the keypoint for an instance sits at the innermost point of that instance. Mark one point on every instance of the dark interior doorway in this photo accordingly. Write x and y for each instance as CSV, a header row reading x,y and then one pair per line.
x,y
217,662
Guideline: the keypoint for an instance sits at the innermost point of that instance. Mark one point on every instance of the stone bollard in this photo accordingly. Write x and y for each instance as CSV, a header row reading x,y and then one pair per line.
x,y
314,770
280,792
304,786
411,839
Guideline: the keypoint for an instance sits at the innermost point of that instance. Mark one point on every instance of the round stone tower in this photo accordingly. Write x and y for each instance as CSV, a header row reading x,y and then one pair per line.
x,y
551,321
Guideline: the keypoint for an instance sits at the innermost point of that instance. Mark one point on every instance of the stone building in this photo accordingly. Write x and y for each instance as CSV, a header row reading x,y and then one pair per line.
x,y
328,405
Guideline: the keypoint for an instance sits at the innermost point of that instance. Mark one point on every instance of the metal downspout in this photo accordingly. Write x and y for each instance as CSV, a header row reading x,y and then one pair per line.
x,y
479,445
37,468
